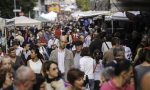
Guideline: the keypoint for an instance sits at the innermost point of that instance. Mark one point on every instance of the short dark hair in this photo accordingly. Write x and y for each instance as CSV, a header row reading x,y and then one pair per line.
x,y
85,52
122,65
11,49
115,41
146,54
78,43
16,42
73,75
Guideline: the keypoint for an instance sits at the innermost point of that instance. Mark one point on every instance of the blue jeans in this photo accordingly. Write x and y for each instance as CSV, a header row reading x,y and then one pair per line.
x,y
91,84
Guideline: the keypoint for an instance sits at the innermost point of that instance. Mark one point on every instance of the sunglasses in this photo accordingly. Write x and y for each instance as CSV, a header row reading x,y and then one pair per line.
x,y
54,69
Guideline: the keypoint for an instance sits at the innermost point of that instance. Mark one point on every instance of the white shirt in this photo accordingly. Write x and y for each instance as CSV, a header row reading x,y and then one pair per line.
x,y
26,54
52,42
87,41
42,50
36,66
86,65
61,58
128,53
20,38
104,47
76,60
98,70
19,51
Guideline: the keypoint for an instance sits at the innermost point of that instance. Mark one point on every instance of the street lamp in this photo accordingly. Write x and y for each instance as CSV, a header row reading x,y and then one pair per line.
x,y
15,7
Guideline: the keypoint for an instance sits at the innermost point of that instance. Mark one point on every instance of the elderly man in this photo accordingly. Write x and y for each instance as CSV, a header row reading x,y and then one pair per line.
x,y
62,56
25,79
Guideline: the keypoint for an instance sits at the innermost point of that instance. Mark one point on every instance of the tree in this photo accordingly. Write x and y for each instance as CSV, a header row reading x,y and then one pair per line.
x,y
83,4
27,6
7,6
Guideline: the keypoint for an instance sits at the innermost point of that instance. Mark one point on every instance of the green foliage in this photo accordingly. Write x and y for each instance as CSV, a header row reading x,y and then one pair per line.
x,y
7,6
83,4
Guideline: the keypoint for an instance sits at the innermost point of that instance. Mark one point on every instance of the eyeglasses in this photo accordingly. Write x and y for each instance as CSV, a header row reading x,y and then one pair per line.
x,y
54,69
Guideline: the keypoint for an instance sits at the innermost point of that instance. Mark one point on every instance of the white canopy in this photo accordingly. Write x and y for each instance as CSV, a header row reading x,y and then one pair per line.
x,y
50,16
89,13
2,23
25,21
120,15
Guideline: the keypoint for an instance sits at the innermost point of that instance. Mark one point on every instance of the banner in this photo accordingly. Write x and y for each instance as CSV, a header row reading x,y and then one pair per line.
x,y
55,7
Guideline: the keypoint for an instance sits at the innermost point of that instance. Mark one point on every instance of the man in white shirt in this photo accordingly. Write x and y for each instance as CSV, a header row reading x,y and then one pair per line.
x,y
53,43
26,51
19,37
76,53
63,57
16,45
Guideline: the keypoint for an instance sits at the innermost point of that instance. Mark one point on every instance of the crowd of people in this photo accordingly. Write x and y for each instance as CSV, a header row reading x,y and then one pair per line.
x,y
74,57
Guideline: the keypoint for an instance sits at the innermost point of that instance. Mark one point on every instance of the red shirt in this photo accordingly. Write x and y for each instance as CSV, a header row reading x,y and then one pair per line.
x,y
57,33
42,40
111,86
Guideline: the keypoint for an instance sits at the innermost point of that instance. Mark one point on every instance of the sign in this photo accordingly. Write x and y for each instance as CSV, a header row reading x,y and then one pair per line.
x,y
16,10
55,7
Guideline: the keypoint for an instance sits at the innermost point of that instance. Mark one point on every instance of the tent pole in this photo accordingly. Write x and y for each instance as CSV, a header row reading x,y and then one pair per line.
x,y
112,25
6,38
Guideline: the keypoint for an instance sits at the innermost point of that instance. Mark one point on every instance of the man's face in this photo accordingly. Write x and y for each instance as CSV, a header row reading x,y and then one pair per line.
x,y
13,53
15,46
63,43
79,48
27,46
30,82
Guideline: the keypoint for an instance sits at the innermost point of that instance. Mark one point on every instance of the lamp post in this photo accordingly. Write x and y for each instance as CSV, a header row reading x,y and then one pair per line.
x,y
15,7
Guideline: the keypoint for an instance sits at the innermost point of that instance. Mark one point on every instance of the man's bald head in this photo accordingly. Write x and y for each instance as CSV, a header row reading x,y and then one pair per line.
x,y
23,73
63,42
145,84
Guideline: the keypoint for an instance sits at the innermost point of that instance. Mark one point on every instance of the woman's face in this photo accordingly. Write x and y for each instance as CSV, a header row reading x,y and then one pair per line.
x,y
53,71
8,80
33,54
6,63
78,84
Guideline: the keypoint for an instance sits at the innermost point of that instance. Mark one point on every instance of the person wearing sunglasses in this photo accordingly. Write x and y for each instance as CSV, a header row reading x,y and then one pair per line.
x,y
53,76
